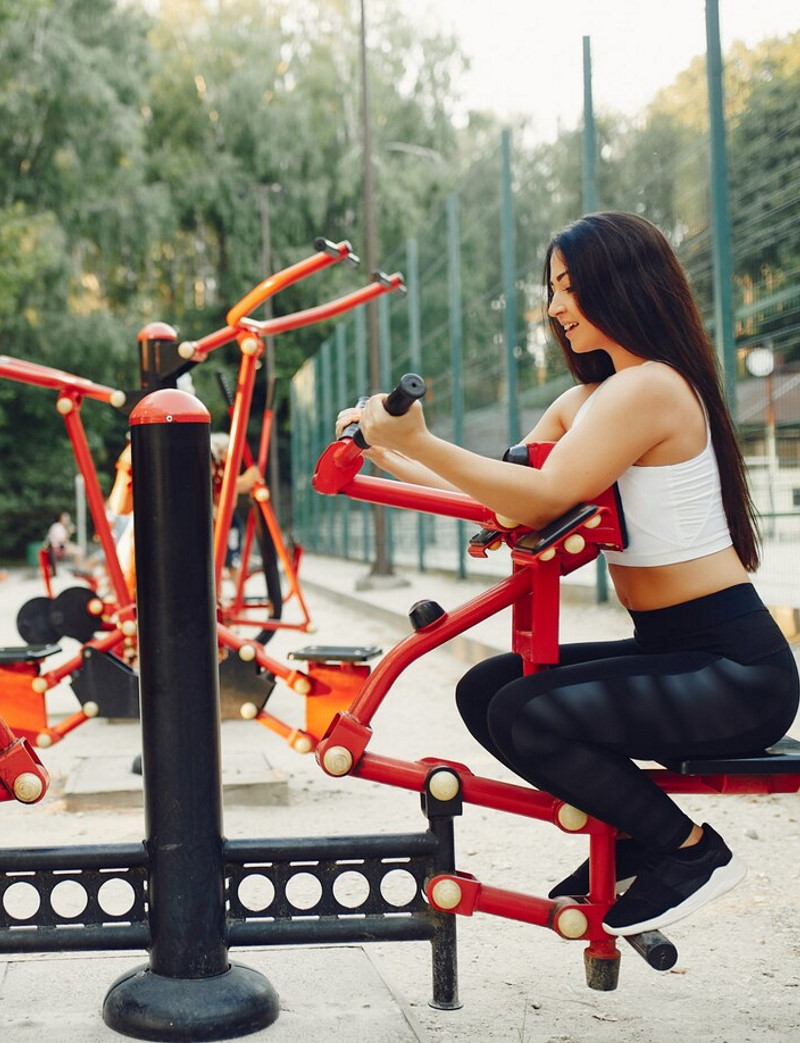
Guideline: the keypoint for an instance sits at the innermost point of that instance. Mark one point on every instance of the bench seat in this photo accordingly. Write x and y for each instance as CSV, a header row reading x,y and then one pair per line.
x,y
781,759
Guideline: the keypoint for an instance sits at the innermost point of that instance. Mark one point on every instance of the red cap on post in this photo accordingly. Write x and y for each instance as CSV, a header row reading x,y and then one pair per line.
x,y
157,331
170,406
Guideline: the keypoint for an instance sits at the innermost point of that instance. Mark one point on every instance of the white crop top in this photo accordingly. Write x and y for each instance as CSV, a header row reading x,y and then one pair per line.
x,y
673,512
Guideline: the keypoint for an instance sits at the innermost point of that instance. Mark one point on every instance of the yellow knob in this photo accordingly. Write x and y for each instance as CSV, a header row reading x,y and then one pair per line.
x,y
444,785
571,819
572,923
28,787
337,760
446,894
575,543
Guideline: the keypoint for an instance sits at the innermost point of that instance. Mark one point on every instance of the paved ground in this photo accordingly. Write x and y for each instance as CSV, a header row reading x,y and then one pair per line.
x,y
738,975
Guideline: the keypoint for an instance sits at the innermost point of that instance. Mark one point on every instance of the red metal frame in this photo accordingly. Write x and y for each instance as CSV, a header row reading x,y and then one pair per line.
x,y
250,334
117,616
532,590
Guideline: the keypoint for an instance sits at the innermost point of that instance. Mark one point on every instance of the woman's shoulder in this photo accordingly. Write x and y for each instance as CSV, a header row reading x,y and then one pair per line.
x,y
650,380
571,401
655,402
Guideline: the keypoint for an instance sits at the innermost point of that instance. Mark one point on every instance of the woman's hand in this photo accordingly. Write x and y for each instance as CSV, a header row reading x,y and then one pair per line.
x,y
400,433
352,415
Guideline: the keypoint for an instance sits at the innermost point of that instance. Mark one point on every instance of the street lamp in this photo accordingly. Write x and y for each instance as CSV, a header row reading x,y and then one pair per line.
x,y
760,362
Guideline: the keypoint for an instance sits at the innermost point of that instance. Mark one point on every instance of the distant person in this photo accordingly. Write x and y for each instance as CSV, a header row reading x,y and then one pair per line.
x,y
60,542
220,442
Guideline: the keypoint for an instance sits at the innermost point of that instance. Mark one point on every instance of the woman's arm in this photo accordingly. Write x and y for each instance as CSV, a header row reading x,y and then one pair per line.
x,y
553,423
394,463
633,414
406,470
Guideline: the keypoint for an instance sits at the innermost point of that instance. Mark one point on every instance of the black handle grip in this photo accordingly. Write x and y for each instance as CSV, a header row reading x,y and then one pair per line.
x,y
324,245
398,401
401,399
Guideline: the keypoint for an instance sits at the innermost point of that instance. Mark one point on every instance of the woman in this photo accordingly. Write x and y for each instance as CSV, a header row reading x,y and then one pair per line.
x,y
707,671
59,540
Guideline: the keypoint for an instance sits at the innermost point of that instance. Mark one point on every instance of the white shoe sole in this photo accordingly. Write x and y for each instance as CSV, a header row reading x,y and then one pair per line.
x,y
722,880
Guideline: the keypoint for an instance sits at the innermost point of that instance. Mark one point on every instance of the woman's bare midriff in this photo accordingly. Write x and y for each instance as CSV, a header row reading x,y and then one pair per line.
x,y
642,589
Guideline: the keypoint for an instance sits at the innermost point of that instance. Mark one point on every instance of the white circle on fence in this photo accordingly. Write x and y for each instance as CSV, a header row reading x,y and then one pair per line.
x,y
256,892
303,890
21,901
351,889
116,896
398,887
68,898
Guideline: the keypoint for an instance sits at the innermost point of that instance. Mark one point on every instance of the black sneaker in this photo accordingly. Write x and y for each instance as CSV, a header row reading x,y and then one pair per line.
x,y
675,886
630,861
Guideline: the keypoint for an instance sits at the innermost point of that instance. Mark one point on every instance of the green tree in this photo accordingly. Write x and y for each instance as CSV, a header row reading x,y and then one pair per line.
x,y
70,135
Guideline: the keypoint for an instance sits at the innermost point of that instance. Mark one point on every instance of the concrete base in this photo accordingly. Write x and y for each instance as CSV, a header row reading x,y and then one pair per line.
x,y
325,993
108,781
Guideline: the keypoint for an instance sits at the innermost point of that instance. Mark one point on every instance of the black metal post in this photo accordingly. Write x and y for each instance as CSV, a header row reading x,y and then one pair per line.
x,y
444,948
189,991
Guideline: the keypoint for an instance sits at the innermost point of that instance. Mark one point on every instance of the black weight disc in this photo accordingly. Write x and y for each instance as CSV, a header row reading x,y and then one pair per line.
x,y
33,622
69,614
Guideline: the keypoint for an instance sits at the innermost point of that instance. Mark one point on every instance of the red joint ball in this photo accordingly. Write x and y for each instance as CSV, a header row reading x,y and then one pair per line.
x,y
170,406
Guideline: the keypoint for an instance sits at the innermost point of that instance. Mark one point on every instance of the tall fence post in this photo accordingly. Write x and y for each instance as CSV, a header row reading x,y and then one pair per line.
x,y
724,333
591,202
415,356
189,990
589,169
509,264
300,456
456,346
319,438
342,391
326,419
362,379
385,327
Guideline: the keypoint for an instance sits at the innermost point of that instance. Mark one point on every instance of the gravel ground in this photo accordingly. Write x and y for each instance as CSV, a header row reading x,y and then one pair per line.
x,y
738,973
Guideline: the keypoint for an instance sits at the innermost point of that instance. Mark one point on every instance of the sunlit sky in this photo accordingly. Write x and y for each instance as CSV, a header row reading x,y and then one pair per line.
x,y
527,55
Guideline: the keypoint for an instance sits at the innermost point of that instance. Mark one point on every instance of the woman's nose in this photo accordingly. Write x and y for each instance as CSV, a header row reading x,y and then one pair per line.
x,y
554,307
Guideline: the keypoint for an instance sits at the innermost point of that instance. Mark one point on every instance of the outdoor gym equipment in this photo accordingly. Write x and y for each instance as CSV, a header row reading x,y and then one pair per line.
x,y
192,895
539,560
186,894
103,621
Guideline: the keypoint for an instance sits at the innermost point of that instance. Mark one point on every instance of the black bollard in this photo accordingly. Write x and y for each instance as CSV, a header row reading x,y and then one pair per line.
x,y
189,990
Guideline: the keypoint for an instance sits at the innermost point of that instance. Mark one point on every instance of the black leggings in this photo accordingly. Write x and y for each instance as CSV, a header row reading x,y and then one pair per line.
x,y
713,676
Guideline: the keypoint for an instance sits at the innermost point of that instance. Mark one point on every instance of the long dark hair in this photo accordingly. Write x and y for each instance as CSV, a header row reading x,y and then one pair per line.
x,y
629,283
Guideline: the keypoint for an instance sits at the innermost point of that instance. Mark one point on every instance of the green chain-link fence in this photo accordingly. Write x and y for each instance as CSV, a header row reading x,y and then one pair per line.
x,y
472,322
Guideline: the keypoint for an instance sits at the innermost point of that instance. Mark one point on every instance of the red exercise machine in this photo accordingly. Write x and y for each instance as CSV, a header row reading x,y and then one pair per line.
x,y
102,616
539,560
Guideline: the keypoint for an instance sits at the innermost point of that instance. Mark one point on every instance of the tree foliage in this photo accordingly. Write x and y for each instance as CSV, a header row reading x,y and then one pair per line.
x,y
143,156
148,149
